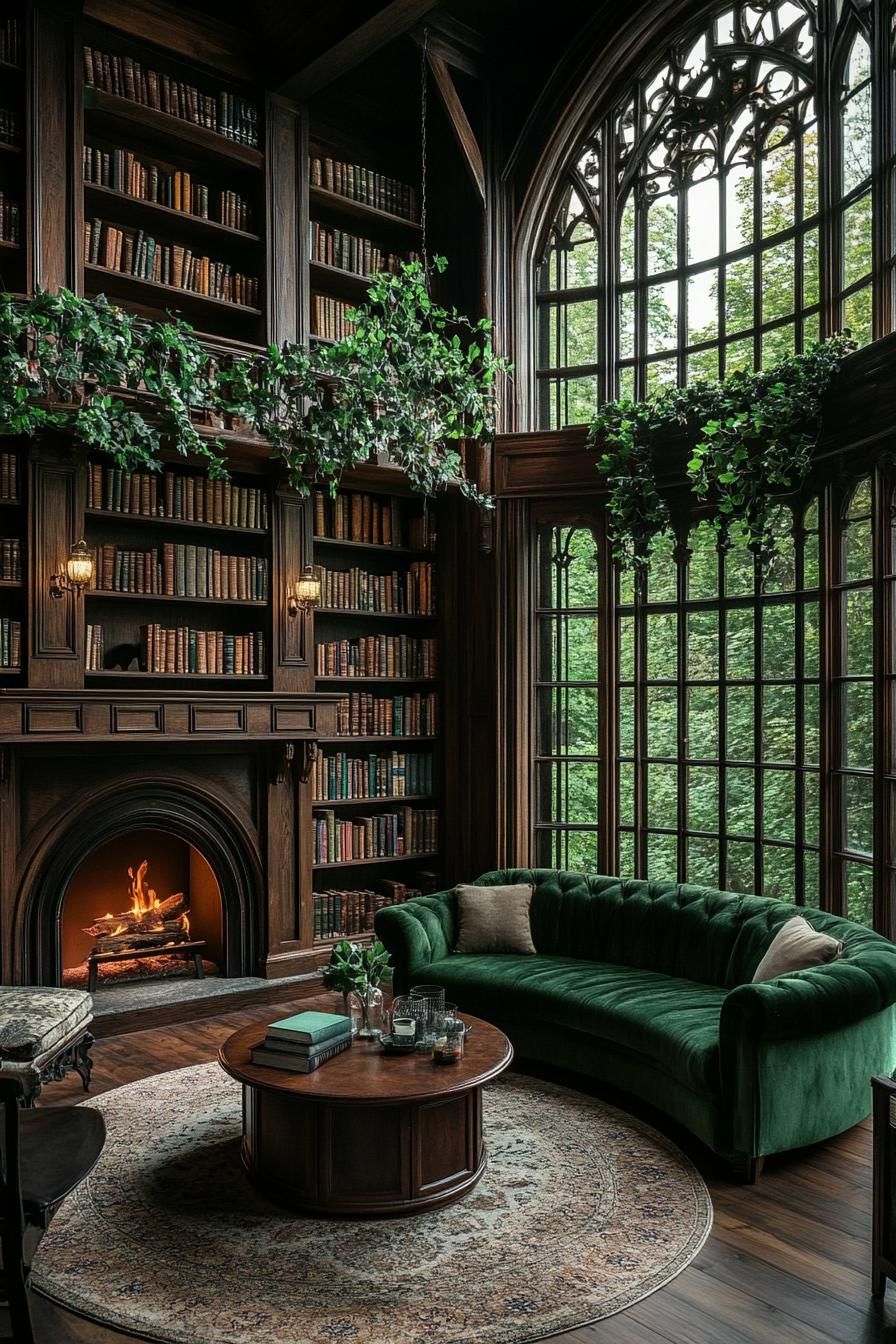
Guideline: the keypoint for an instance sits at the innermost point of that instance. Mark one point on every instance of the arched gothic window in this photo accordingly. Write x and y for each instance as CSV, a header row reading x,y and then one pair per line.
x,y
733,206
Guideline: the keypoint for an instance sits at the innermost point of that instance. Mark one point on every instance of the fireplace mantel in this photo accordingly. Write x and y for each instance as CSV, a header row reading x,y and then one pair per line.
x,y
177,716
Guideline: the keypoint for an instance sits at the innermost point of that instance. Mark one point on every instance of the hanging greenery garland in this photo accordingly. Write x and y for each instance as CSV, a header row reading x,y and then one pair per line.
x,y
413,380
750,438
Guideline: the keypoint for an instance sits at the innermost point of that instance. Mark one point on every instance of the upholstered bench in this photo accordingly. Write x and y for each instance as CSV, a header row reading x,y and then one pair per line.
x,y
44,1033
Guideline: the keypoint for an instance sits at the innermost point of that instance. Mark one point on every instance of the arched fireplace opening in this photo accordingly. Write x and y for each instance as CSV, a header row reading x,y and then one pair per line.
x,y
144,905
202,868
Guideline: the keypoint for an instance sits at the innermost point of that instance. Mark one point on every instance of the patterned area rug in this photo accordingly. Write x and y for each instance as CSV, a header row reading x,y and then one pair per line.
x,y
581,1212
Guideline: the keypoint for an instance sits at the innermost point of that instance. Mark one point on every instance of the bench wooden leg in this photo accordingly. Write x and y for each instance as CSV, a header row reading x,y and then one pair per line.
x,y
82,1063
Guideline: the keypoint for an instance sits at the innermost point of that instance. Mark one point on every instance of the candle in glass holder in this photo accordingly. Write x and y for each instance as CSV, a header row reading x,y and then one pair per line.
x,y
449,1047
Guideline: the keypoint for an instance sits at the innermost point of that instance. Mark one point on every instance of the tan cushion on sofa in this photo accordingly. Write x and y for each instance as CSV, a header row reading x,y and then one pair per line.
x,y
494,919
795,947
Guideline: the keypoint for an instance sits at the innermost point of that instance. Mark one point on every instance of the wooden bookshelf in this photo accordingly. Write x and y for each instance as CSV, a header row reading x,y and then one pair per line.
x,y
116,125
179,552
353,235
15,78
374,561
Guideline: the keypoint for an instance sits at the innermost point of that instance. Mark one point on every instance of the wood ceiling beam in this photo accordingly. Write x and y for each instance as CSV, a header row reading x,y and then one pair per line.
x,y
460,124
393,20
459,45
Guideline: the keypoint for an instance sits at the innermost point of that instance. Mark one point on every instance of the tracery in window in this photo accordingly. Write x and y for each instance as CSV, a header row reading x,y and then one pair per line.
x,y
707,209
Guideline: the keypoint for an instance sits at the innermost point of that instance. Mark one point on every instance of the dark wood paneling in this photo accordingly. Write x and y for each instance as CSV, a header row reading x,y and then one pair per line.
x,y
55,626
53,45
284,230
292,670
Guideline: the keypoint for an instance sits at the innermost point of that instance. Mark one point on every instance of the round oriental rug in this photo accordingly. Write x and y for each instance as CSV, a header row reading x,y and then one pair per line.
x,y
581,1212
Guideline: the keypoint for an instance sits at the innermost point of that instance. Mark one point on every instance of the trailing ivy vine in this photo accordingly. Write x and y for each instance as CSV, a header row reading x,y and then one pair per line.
x,y
749,439
413,380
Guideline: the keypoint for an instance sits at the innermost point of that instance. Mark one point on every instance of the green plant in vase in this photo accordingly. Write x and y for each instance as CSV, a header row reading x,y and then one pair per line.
x,y
356,971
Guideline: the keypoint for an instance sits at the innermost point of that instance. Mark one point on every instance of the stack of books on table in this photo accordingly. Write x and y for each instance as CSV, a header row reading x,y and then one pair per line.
x,y
300,1044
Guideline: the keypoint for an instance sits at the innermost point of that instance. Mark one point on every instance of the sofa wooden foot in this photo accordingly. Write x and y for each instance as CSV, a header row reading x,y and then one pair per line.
x,y
753,1170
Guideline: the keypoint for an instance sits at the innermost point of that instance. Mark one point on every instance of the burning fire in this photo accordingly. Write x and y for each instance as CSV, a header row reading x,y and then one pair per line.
x,y
150,922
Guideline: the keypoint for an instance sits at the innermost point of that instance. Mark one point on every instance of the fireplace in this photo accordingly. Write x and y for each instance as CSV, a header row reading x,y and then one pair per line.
x,y
126,917
203,868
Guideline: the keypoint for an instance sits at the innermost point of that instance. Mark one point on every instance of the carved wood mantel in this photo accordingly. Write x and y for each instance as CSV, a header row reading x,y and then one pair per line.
x,y
174,716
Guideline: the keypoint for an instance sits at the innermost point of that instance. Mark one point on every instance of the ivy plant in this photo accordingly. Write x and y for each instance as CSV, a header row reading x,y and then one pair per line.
x,y
749,439
412,380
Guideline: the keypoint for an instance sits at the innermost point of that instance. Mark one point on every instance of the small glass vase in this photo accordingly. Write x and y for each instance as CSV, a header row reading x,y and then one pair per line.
x,y
367,1013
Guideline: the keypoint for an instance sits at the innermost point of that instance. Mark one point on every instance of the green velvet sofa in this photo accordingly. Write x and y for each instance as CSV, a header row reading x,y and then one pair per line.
x,y
646,986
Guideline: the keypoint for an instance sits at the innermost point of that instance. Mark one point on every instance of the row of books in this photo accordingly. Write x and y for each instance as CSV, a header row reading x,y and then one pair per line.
x,y
10,559
363,184
363,715
9,476
121,170
9,126
227,113
348,914
302,1043
193,499
409,830
95,648
378,656
182,571
135,252
351,515
10,219
11,41
408,593
350,252
10,643
329,318
385,774
211,652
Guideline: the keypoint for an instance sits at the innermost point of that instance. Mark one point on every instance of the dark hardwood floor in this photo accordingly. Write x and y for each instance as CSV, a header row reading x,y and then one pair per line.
x,y
786,1262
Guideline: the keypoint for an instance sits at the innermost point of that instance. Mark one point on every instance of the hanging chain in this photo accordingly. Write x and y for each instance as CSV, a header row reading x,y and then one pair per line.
x,y
423,160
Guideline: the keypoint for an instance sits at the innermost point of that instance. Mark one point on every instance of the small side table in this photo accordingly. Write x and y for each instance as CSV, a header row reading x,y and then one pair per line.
x,y
883,1233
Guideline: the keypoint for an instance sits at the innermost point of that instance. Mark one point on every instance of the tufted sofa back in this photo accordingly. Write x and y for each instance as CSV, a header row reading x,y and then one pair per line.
x,y
716,937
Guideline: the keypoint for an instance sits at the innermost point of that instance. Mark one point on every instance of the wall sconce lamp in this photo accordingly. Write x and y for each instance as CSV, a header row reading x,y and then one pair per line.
x,y
78,572
306,593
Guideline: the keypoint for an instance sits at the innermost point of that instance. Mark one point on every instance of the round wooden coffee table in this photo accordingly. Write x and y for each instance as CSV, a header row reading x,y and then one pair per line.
x,y
367,1133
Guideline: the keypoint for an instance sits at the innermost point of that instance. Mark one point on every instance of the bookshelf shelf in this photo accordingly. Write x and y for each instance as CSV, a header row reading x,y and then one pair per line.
x,y
150,289
10,583
382,858
332,202
374,737
7,68
348,682
134,208
338,543
375,802
10,247
153,521
339,937
109,113
10,671
230,677
374,615
333,279
174,597
6,148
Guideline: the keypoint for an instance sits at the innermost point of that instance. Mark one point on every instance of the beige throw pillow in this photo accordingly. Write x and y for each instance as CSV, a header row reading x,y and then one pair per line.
x,y
795,947
494,919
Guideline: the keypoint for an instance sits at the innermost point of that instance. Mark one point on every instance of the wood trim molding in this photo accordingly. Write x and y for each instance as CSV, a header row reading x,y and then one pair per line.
x,y
144,716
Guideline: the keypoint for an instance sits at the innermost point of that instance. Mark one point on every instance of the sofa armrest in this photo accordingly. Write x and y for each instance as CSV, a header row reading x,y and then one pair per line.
x,y
807,1003
416,934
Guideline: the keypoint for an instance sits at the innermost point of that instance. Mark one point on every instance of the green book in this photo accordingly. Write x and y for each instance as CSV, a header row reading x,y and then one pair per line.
x,y
310,1028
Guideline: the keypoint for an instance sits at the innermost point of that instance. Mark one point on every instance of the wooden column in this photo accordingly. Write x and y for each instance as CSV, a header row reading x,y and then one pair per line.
x,y
55,644
51,122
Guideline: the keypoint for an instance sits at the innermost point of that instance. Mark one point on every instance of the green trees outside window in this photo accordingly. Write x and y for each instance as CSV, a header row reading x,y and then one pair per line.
x,y
729,210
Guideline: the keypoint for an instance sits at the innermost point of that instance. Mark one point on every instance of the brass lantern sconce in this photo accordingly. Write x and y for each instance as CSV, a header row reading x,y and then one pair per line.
x,y
305,596
78,572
